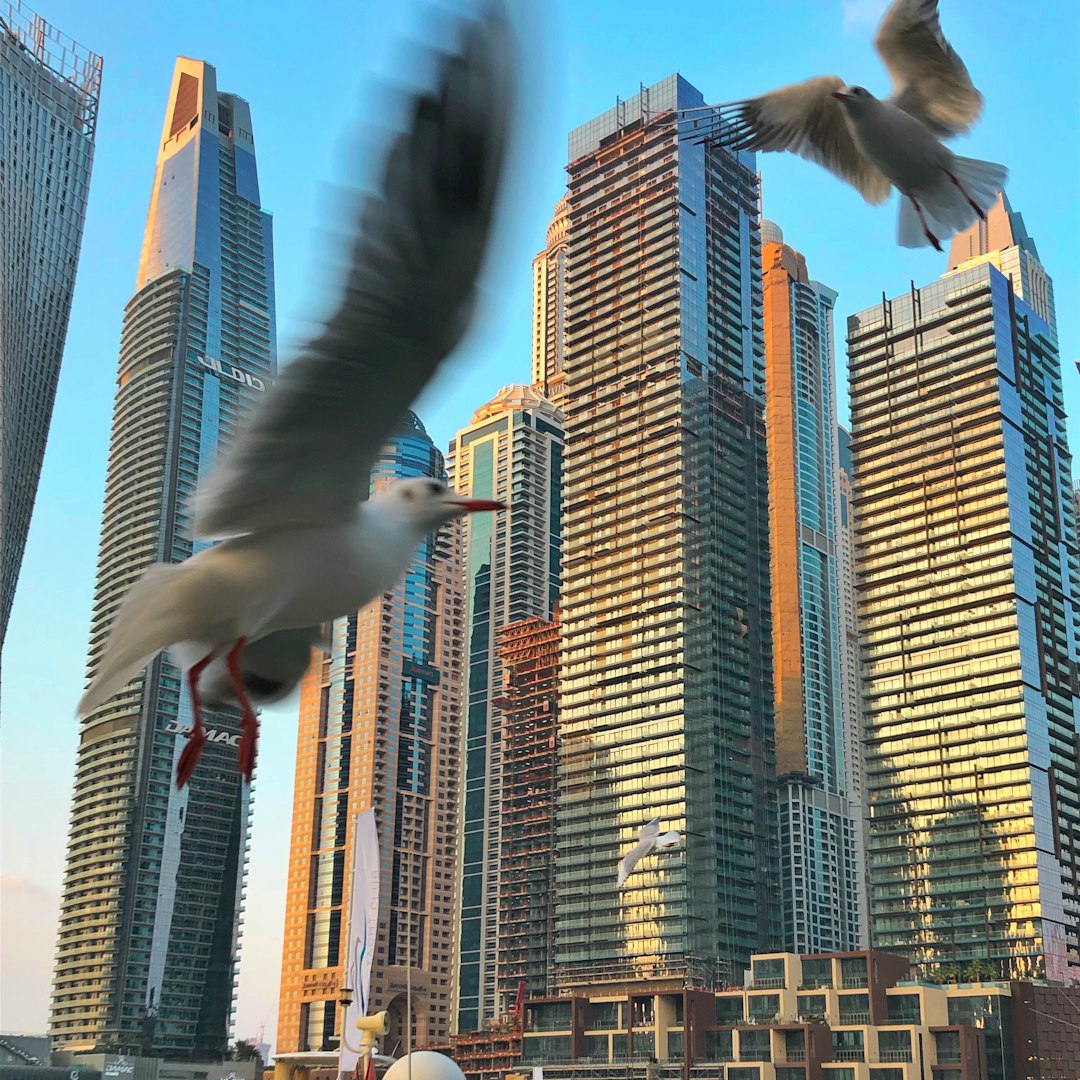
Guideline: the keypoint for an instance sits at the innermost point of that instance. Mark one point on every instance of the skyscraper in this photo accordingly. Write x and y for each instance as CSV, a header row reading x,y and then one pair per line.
x,y
49,91
152,892
380,727
549,309
512,451
666,701
819,859
968,596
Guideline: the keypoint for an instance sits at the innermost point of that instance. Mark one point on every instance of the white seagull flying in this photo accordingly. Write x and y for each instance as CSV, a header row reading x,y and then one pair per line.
x,y
875,144
300,547
648,838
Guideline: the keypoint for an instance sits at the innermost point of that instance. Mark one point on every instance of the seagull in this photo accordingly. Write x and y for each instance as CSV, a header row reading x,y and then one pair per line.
x,y
875,144
648,838
299,544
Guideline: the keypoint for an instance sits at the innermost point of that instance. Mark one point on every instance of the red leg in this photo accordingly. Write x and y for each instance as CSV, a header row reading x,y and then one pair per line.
x,y
189,756
926,228
249,740
971,202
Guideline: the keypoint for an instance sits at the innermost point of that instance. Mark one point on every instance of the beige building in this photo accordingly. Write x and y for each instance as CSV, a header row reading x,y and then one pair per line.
x,y
380,727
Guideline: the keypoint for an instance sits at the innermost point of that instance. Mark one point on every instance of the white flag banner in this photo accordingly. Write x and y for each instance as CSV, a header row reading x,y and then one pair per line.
x,y
363,926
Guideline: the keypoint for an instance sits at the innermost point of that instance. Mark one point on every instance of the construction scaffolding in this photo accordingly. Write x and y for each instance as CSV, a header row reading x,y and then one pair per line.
x,y
530,654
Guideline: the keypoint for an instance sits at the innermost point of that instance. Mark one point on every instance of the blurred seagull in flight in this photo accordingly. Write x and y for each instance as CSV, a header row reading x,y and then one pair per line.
x,y
299,545
648,838
876,144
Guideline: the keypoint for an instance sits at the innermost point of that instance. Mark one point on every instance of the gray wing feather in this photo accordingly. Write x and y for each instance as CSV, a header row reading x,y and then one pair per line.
x,y
151,617
803,118
930,81
409,291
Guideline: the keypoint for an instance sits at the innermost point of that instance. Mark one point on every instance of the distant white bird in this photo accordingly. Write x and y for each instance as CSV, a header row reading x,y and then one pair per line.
x,y
648,838
875,145
299,545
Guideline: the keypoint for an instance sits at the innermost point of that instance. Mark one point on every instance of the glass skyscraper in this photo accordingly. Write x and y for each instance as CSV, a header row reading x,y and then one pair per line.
x,y
152,896
666,698
819,832
49,91
380,726
511,451
967,592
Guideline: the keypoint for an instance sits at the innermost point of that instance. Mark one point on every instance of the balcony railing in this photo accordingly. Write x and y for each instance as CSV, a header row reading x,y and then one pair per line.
x,y
854,1018
854,982
755,1055
824,983
885,1056
851,1053
776,982
791,1057
949,1057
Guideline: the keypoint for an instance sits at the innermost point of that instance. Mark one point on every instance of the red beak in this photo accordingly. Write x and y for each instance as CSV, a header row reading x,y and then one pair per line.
x,y
470,506
841,96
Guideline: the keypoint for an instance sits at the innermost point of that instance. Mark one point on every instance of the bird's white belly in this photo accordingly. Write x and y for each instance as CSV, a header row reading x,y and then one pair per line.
x,y
903,149
313,578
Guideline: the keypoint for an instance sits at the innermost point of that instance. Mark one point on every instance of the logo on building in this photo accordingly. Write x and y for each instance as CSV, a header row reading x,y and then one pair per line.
x,y
230,371
118,1066
213,735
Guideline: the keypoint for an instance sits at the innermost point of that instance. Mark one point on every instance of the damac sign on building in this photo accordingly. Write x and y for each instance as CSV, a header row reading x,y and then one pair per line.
x,y
213,735
230,371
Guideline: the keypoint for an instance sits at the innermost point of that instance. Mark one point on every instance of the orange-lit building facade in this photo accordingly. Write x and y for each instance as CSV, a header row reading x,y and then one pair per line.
x,y
819,831
380,727
549,308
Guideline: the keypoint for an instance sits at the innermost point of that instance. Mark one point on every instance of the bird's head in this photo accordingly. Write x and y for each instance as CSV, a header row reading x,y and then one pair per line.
x,y
854,99
430,503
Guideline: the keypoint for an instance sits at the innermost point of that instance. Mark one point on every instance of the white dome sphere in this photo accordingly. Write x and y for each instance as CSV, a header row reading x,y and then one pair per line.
x,y
426,1065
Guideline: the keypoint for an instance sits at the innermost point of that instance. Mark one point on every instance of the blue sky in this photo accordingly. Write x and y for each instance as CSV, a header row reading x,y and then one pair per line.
x,y
309,73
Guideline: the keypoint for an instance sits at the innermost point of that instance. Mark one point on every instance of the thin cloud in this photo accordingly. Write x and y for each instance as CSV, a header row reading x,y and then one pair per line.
x,y
862,13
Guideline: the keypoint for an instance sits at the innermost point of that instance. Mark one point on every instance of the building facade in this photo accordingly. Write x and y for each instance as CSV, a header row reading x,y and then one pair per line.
x,y
151,905
549,309
666,706
511,451
530,655
380,727
49,92
819,856
968,594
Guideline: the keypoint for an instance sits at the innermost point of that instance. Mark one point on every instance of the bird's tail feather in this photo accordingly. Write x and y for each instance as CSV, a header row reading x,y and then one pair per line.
x,y
150,619
945,205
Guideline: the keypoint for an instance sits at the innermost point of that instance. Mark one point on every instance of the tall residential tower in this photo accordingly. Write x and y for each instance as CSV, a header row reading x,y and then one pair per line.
x,y
512,451
666,696
49,90
968,591
149,920
819,851
380,726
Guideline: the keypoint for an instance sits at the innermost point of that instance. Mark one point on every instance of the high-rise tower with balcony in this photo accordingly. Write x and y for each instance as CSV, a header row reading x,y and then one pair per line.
x,y
819,830
49,91
549,309
968,595
380,726
153,888
512,451
666,694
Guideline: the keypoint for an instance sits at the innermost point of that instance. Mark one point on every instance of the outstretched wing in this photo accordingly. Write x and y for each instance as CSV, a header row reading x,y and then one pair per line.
x,y
408,297
632,858
803,118
668,839
930,81
154,614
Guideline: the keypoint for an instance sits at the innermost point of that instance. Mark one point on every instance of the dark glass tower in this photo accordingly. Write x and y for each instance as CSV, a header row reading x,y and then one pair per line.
x,y
968,590
512,451
49,89
152,893
666,702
